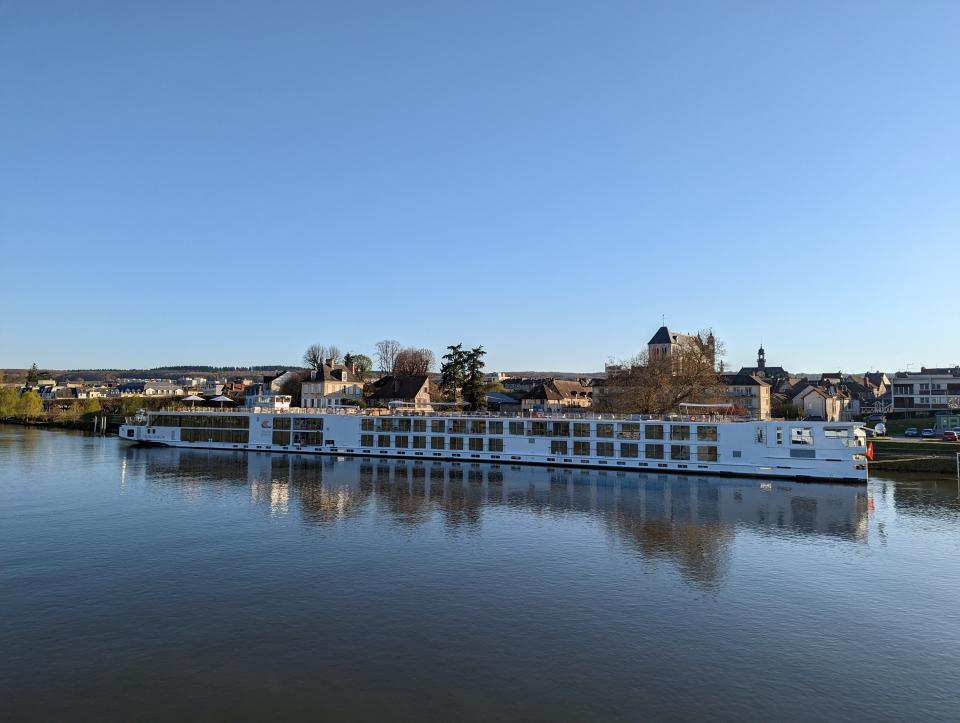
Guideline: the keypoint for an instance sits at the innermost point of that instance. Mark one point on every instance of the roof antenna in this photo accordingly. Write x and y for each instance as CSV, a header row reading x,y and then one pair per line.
x,y
663,320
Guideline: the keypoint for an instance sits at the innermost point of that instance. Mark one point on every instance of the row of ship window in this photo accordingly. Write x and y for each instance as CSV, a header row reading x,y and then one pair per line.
x,y
226,421
537,428
626,450
703,453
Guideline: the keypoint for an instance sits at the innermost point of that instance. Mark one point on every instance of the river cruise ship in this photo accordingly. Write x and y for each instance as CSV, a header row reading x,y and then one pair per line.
x,y
701,444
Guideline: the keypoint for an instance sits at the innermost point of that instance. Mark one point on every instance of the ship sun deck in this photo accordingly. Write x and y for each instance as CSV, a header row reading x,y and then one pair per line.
x,y
711,443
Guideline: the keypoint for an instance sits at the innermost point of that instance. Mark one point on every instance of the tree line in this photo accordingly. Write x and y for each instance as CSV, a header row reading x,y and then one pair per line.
x,y
392,358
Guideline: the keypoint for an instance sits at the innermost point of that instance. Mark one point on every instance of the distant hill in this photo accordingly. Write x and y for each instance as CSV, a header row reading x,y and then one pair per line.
x,y
557,375
166,372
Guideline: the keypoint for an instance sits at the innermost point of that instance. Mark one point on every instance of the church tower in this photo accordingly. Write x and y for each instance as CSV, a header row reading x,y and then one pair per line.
x,y
761,359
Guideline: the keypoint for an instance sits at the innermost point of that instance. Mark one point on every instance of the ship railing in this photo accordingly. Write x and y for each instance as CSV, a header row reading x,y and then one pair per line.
x,y
570,416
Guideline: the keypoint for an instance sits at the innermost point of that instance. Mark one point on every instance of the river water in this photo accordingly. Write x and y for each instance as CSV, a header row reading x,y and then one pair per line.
x,y
160,584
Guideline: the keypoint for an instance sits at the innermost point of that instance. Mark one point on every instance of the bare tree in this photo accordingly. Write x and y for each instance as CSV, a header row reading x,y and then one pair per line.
x,y
657,386
411,361
386,351
314,355
333,353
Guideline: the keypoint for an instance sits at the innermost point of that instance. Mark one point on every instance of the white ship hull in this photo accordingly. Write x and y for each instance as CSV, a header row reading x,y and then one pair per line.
x,y
775,449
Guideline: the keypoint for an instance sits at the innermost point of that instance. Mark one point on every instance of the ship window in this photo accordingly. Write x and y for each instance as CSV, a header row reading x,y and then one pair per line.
x,y
496,427
477,426
707,433
706,453
420,442
537,429
803,453
516,428
366,425
456,442
837,432
654,451
419,425
560,429
476,444
366,440
458,426
654,431
760,436
801,435
628,449
737,453
436,442
581,448
401,441
679,451
604,430
629,431
383,440
581,429
679,432
605,449
779,435
438,426
495,445
558,446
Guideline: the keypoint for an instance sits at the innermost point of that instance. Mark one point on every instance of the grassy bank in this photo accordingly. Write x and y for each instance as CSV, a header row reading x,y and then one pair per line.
x,y
932,457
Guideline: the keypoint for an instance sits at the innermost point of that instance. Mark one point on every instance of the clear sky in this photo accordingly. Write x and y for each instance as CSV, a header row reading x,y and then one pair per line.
x,y
227,182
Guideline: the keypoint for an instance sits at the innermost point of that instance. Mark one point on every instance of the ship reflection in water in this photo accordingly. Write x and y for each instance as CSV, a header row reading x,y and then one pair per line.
x,y
689,520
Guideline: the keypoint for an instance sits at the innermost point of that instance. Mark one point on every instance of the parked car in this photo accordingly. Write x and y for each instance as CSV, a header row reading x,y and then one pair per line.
x,y
950,436
928,433
911,432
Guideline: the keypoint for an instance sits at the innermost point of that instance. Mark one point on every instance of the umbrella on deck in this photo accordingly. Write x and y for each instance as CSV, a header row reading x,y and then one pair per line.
x,y
193,398
223,400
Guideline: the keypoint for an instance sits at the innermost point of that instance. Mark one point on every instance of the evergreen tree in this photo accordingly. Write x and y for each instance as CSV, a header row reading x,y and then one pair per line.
x,y
474,386
33,376
453,371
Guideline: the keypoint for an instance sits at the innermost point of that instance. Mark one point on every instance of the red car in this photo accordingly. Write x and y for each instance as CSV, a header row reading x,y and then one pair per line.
x,y
950,436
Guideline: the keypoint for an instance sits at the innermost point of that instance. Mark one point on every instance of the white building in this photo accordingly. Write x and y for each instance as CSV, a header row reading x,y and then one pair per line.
x,y
927,391
331,385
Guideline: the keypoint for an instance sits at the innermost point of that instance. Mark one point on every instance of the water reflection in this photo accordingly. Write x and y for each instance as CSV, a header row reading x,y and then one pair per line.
x,y
689,521
926,497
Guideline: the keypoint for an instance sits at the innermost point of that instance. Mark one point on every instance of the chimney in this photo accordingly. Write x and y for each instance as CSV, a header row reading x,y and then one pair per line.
x,y
328,361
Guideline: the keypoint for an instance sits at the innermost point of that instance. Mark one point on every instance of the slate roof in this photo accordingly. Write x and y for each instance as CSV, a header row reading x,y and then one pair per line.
x,y
392,387
662,336
743,380
338,373
559,390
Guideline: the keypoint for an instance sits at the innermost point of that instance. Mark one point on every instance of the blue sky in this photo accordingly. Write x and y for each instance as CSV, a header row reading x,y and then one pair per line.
x,y
227,182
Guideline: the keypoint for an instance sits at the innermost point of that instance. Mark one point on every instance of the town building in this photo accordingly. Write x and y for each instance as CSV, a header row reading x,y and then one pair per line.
x,y
411,390
828,403
666,344
148,389
921,394
331,385
557,395
750,392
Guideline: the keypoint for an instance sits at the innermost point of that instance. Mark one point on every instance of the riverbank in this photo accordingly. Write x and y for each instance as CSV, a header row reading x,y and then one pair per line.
x,y
102,423
891,455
